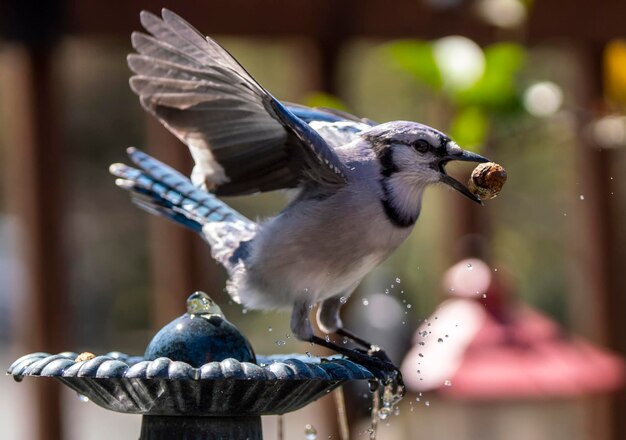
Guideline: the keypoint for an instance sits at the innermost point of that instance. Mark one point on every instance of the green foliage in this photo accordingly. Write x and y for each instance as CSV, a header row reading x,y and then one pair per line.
x,y
469,127
321,99
417,58
495,93
496,90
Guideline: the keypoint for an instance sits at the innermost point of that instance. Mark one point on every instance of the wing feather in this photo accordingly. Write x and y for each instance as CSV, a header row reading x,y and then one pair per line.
x,y
240,137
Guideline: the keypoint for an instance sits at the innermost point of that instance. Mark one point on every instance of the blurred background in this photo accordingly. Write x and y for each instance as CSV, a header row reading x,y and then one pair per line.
x,y
537,86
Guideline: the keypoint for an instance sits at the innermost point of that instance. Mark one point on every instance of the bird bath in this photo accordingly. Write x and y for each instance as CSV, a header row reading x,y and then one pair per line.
x,y
181,396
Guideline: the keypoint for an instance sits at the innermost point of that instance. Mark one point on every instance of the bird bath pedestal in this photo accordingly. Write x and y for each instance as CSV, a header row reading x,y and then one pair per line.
x,y
188,387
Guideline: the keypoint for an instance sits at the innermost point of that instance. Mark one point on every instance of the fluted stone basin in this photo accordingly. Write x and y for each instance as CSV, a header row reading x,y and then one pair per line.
x,y
189,386
129,384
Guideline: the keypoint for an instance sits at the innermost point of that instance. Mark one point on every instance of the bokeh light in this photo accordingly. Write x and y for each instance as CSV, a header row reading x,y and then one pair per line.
x,y
460,60
543,99
610,131
502,13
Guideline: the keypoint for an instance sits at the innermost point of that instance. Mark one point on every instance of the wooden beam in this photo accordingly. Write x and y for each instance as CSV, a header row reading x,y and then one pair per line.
x,y
556,19
172,248
34,192
597,303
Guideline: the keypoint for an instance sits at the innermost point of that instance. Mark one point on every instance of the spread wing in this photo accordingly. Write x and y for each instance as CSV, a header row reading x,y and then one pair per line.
x,y
242,139
336,127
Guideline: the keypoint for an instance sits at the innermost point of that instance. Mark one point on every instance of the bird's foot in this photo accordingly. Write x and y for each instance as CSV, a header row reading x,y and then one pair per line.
x,y
374,359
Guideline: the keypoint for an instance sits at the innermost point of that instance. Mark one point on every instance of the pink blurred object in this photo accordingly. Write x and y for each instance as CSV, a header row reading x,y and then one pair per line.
x,y
487,346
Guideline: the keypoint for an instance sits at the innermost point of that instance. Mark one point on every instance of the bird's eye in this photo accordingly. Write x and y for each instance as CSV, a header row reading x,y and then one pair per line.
x,y
421,146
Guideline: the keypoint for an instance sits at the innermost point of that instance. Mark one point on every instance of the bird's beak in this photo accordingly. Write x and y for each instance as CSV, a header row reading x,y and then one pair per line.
x,y
464,156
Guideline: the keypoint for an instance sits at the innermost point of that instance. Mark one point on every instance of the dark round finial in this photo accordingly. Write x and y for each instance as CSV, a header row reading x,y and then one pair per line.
x,y
201,335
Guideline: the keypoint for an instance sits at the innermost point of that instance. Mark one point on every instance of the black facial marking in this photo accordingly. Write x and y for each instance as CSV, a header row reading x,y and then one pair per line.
x,y
392,213
384,153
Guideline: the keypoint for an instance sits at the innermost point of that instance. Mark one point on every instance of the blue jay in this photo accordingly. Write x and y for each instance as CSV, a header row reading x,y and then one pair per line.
x,y
357,186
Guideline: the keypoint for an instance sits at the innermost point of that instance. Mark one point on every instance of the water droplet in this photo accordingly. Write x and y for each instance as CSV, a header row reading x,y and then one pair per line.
x,y
408,306
420,355
310,433
426,402
343,300
582,197
18,378
308,353
384,413
469,266
82,398
269,329
244,311
366,302
447,383
199,303
280,342
327,338
484,295
440,340
398,280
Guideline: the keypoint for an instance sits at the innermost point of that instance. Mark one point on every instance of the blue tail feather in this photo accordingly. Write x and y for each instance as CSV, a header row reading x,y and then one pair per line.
x,y
161,190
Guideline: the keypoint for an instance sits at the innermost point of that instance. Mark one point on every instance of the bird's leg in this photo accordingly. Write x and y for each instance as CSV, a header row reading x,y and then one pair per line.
x,y
384,370
329,321
358,356
372,349
302,329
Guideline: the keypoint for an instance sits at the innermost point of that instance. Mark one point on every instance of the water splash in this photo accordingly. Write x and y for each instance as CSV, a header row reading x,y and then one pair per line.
x,y
310,433
199,303
342,417
374,417
280,427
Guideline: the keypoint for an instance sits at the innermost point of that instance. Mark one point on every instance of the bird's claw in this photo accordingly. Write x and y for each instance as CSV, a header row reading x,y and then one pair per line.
x,y
376,359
